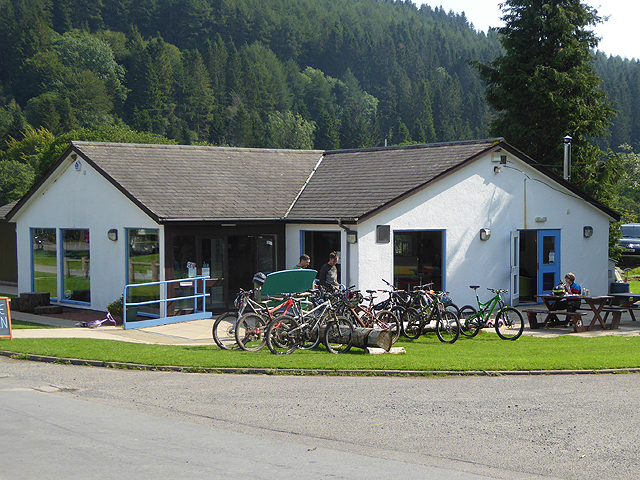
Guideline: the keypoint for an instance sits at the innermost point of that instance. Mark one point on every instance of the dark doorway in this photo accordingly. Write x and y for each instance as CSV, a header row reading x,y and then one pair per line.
x,y
248,255
318,245
528,265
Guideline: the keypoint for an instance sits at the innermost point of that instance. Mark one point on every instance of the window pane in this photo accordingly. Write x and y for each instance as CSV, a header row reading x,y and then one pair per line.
x,y
45,261
266,254
75,255
417,259
144,264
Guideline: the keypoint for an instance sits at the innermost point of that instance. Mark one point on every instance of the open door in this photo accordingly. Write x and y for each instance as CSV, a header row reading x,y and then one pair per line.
x,y
548,260
514,290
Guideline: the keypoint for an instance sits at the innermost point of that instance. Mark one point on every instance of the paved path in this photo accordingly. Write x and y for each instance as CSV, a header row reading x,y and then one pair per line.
x,y
63,421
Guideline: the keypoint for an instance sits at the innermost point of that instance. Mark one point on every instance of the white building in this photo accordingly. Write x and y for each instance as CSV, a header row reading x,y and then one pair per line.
x,y
456,214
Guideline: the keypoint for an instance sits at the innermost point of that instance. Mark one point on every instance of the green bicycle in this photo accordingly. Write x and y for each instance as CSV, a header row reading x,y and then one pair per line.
x,y
508,321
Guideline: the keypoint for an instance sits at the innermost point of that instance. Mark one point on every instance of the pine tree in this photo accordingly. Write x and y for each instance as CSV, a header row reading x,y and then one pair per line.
x,y
544,86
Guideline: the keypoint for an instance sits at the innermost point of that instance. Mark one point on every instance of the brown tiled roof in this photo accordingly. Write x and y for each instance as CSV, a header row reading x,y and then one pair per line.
x,y
174,182
5,209
352,183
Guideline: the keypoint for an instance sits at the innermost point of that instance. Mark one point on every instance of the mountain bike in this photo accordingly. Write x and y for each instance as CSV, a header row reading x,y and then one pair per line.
x,y
287,333
447,322
251,328
365,316
508,321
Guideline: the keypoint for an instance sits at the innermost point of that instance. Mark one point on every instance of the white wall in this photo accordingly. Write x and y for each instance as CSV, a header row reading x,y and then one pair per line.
x,y
466,201
84,199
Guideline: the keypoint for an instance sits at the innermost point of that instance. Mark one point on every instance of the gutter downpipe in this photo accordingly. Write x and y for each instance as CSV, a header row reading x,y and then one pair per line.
x,y
346,256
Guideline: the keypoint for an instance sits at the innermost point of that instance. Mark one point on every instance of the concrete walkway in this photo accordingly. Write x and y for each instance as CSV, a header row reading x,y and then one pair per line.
x,y
198,332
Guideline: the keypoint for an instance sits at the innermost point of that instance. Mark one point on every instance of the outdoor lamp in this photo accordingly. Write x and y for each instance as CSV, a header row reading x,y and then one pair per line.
x,y
485,233
352,236
112,235
587,231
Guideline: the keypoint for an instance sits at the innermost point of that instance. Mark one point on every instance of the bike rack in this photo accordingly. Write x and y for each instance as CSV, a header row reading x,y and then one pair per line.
x,y
199,295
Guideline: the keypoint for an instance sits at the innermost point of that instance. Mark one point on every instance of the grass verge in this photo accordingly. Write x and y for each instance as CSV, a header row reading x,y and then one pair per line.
x,y
485,352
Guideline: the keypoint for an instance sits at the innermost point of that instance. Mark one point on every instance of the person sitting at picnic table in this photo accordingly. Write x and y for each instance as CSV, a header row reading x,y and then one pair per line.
x,y
304,262
570,288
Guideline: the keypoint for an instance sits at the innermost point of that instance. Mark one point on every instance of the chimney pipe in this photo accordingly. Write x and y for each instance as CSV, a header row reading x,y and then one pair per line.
x,y
567,158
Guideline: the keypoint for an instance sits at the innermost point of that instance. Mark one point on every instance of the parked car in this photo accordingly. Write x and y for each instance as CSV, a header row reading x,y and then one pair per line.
x,y
630,242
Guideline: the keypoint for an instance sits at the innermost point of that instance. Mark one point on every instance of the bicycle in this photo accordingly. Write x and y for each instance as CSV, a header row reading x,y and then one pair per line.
x,y
366,316
251,328
397,302
286,333
447,321
508,321
224,328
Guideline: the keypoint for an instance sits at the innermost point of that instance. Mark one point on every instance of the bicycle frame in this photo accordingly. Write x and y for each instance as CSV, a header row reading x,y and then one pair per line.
x,y
486,309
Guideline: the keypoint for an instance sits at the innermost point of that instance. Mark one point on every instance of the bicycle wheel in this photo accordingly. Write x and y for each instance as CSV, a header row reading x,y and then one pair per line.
x,y
469,321
448,327
224,331
412,323
509,324
282,336
386,320
398,311
310,337
338,335
250,332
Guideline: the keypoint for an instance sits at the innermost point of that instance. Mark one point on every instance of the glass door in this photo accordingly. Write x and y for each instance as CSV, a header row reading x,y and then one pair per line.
x,y
548,260
213,265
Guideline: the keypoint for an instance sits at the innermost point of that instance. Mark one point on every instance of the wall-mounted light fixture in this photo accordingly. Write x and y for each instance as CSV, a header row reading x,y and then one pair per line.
x,y
541,219
587,231
485,234
352,236
496,169
112,235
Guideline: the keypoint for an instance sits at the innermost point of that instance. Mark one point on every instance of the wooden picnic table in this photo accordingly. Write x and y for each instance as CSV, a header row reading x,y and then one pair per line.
x,y
598,305
626,301
552,304
595,304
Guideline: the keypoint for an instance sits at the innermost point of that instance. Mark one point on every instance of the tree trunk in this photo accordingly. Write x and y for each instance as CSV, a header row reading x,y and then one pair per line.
x,y
365,337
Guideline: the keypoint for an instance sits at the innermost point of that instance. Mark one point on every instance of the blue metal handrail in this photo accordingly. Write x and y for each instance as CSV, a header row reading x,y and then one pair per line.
x,y
198,297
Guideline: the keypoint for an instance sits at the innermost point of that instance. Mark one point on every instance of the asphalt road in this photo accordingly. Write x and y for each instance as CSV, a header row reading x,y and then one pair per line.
x,y
62,421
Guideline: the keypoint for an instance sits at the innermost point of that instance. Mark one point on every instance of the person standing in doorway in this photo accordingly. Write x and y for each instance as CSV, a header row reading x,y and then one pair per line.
x,y
328,274
304,262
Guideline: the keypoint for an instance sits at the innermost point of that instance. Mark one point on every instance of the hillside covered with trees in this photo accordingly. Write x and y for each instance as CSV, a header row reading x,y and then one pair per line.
x,y
323,74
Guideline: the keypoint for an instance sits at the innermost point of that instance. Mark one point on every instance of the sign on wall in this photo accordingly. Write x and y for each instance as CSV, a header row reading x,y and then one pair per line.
x,y
5,318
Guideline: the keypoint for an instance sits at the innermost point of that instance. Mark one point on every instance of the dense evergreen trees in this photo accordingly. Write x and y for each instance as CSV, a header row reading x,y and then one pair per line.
x,y
324,74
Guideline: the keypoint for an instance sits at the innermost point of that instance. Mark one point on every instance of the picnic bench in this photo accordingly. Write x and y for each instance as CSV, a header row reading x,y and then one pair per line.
x,y
626,301
596,305
551,317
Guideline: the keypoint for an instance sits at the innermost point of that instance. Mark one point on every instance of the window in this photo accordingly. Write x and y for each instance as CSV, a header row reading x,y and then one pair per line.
x,y
143,266
76,282
45,261
417,258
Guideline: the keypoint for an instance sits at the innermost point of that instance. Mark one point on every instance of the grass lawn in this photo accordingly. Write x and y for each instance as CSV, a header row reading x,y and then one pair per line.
x,y
485,352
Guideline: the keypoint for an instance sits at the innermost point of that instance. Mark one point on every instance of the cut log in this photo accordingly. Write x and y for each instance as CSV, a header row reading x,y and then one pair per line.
x,y
366,337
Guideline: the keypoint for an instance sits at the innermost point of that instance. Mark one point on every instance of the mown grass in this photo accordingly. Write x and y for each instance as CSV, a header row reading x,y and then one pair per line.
x,y
485,352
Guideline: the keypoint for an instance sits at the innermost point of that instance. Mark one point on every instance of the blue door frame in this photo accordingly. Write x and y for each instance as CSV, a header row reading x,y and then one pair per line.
x,y
548,260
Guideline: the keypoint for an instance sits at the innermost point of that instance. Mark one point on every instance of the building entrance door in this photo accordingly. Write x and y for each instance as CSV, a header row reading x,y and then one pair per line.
x,y
213,258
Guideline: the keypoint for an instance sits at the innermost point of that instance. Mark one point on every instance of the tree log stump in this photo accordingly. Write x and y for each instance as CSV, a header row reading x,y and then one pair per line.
x,y
365,337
